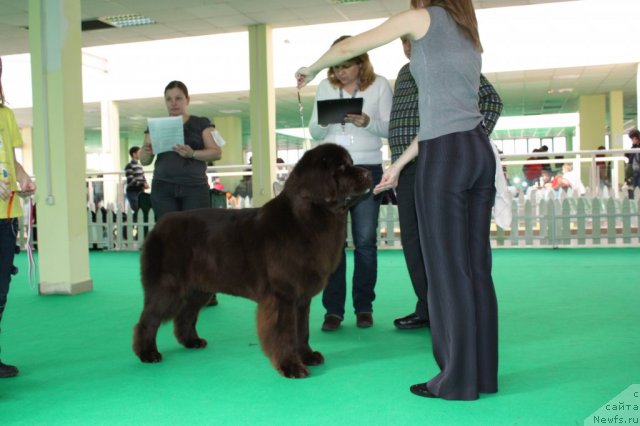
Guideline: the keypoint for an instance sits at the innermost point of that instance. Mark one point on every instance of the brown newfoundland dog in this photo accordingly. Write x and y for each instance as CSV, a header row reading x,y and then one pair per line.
x,y
280,255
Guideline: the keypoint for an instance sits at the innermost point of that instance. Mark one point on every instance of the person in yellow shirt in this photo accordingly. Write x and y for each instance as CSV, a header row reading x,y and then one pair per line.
x,y
14,182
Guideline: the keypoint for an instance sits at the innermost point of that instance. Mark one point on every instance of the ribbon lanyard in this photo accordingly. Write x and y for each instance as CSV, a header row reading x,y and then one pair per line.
x,y
29,244
29,241
353,95
10,203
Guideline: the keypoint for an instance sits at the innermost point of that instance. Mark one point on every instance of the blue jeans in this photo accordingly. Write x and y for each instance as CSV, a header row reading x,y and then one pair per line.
x,y
8,232
132,197
364,228
169,197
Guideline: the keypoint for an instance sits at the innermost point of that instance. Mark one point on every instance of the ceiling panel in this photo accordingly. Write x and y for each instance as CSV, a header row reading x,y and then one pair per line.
x,y
523,92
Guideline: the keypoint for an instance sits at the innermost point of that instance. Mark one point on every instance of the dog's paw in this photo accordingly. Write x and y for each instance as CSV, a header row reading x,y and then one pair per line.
x,y
195,344
293,370
312,358
150,356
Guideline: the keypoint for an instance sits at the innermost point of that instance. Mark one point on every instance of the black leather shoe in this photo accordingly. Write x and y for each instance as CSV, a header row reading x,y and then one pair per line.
x,y
7,371
331,323
411,321
421,389
364,319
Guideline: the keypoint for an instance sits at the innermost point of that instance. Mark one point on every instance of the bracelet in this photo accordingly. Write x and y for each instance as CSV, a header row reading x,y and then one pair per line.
x,y
193,154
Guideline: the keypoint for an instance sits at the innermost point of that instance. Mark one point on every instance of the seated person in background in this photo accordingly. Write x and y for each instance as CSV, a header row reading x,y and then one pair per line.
x,y
545,166
244,188
559,182
217,185
532,171
573,178
545,179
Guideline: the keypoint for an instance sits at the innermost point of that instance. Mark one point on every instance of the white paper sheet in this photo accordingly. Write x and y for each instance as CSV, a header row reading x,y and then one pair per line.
x,y
165,132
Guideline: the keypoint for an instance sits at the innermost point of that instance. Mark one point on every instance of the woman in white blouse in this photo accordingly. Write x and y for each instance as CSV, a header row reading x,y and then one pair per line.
x,y
361,134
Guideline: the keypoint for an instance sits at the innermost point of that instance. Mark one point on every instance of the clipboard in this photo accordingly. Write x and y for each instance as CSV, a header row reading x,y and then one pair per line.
x,y
332,111
165,133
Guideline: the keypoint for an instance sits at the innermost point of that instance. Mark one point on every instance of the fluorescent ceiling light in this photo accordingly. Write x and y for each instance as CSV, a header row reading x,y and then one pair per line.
x,y
121,21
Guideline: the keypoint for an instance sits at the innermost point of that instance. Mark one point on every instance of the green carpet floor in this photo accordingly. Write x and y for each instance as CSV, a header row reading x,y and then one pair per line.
x,y
569,342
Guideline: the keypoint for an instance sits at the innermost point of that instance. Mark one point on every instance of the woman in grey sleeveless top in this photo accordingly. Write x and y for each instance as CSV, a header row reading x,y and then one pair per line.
x,y
454,187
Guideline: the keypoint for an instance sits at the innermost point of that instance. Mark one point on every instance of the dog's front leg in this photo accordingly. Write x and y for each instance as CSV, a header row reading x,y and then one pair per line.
x,y
307,355
277,325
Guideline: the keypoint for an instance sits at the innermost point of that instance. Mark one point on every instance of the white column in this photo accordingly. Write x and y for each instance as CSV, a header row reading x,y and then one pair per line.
x,y
110,122
58,143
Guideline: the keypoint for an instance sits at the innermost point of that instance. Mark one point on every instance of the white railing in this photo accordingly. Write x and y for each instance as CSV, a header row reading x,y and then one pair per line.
x,y
541,217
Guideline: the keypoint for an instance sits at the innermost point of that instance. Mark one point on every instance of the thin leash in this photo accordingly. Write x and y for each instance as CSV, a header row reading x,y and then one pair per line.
x,y
29,244
301,110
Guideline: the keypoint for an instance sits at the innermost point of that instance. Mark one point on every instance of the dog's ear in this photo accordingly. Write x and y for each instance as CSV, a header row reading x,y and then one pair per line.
x,y
314,186
321,189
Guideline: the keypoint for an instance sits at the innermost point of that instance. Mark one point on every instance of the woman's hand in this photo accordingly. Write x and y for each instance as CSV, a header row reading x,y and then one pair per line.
x,y
358,120
389,180
304,76
184,151
27,187
147,149
146,152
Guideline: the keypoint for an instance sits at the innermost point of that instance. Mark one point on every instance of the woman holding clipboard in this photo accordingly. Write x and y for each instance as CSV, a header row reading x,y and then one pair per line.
x,y
455,187
361,134
180,175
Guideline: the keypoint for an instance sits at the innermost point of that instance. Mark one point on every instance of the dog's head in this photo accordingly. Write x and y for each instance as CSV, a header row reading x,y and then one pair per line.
x,y
326,176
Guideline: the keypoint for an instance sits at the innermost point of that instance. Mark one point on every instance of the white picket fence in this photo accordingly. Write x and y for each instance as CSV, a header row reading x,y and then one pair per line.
x,y
546,218
540,219
550,219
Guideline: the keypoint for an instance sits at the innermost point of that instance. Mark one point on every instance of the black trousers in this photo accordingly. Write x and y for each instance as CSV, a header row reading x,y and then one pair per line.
x,y
455,191
410,238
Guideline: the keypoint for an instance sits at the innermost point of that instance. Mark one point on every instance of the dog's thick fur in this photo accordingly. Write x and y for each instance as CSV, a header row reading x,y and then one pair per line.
x,y
279,255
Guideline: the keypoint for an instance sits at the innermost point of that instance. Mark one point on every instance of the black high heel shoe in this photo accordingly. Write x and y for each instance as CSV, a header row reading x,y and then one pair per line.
x,y
421,389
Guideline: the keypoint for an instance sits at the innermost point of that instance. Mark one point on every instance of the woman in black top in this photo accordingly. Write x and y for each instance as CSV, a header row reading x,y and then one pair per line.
x,y
179,177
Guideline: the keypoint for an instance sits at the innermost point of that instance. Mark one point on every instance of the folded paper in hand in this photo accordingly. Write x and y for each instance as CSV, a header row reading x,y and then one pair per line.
x,y
165,133
502,204
333,111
